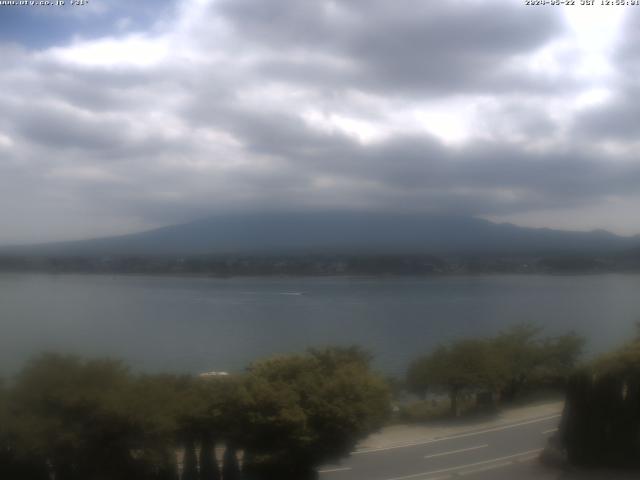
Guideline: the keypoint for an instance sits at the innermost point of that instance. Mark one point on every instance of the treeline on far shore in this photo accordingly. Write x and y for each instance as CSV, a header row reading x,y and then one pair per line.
x,y
318,265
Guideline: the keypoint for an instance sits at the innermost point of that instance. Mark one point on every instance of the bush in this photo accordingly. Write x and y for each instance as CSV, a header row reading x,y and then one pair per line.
x,y
601,421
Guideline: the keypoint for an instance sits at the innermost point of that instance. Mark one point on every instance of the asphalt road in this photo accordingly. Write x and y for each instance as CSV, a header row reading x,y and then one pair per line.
x,y
504,452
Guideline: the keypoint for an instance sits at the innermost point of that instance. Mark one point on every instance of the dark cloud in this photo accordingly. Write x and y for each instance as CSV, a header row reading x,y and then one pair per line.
x,y
617,119
402,46
418,171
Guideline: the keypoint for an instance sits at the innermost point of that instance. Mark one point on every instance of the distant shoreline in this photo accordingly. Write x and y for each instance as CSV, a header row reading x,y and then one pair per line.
x,y
286,276
325,265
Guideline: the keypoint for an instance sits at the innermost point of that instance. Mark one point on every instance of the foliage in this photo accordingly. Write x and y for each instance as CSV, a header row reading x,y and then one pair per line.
x,y
302,410
623,363
508,364
535,361
601,422
521,354
461,366
79,419
73,413
560,356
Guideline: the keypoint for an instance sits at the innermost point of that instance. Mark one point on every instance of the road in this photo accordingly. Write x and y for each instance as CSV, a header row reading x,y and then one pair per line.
x,y
501,452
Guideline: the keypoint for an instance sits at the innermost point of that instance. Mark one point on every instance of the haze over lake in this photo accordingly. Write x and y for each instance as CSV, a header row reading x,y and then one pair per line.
x,y
200,324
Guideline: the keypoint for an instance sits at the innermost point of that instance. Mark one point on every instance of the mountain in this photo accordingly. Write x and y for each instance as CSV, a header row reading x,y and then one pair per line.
x,y
341,232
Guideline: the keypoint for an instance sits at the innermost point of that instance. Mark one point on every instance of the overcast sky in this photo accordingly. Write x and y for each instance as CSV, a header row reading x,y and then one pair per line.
x,y
120,116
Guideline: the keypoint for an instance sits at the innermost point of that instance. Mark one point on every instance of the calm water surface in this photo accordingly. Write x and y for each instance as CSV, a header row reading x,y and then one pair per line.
x,y
201,324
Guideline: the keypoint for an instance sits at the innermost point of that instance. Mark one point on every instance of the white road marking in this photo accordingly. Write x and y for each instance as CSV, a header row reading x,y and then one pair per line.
x,y
495,466
528,458
486,468
333,470
455,451
551,430
454,437
499,460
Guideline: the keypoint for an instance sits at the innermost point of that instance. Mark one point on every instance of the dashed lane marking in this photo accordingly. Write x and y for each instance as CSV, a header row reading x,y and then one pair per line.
x,y
452,452
496,463
334,470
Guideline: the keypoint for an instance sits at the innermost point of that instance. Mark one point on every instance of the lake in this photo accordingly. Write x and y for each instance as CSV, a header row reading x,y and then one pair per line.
x,y
202,324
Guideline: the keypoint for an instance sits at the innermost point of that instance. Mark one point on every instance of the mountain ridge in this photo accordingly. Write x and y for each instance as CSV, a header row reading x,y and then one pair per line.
x,y
339,232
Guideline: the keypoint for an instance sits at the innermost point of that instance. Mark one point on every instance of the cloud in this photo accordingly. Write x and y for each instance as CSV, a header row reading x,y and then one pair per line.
x,y
471,107
617,117
400,47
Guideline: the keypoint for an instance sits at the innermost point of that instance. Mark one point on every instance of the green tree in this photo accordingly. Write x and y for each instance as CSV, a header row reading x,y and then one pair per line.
x,y
521,354
217,419
6,446
561,355
155,406
14,463
302,410
73,414
462,366
94,420
532,361
208,463
231,468
601,419
181,412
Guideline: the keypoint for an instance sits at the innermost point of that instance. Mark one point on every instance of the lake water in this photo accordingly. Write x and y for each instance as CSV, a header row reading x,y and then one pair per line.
x,y
202,324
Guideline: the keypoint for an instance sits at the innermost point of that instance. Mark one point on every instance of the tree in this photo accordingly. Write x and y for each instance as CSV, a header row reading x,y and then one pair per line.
x,y
208,463
230,467
94,420
601,419
6,445
464,365
13,463
560,357
521,354
73,415
302,410
516,359
156,407
190,461
214,418
530,360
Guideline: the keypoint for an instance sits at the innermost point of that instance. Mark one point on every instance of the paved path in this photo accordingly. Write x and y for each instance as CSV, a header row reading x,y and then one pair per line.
x,y
407,434
493,450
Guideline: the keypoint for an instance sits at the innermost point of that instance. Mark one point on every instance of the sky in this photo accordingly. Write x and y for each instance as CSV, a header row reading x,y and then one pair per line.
x,y
120,116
